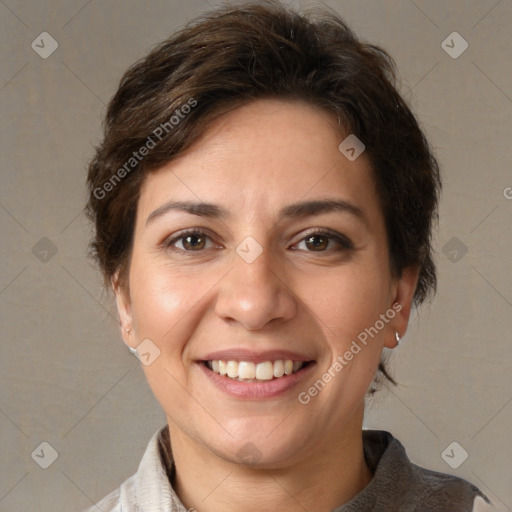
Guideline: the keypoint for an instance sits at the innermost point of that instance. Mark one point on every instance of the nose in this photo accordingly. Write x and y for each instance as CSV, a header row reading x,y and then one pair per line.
x,y
255,294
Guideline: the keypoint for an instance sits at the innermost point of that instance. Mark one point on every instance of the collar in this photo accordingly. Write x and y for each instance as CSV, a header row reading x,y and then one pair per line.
x,y
397,483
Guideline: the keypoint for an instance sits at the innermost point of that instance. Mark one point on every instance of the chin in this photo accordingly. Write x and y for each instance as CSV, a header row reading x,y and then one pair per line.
x,y
258,455
260,443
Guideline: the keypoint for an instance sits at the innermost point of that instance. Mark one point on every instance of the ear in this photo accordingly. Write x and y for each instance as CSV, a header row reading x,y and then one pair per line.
x,y
402,303
123,308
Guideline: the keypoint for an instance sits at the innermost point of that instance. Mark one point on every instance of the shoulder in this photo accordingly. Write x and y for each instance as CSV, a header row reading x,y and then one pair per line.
x,y
123,499
142,487
482,505
442,492
414,488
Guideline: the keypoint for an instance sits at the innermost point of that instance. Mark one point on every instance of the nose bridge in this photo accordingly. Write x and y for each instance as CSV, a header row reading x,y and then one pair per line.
x,y
254,292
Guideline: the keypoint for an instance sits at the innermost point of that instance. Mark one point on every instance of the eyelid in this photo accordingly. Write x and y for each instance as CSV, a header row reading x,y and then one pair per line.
x,y
175,237
342,240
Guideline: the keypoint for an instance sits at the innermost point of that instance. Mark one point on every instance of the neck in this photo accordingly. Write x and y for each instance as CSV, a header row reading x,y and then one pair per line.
x,y
329,475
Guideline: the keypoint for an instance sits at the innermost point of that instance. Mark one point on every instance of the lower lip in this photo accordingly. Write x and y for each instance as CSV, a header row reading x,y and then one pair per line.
x,y
257,390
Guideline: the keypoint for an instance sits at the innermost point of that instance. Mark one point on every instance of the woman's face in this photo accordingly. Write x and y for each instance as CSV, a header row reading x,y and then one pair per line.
x,y
275,273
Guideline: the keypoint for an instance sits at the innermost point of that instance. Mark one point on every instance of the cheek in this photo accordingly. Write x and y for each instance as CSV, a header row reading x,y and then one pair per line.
x,y
165,309
351,300
159,300
168,304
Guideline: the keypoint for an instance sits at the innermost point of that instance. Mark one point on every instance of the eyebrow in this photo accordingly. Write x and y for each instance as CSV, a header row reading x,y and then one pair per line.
x,y
296,210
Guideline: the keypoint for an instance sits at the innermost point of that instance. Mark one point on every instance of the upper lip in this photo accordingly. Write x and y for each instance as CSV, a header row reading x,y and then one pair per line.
x,y
243,354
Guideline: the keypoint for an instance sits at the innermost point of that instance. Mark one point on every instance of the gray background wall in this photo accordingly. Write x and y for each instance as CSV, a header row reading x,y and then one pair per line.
x,y
66,377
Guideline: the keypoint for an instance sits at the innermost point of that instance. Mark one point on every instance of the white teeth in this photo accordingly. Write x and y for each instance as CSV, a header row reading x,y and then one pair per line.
x,y
265,371
247,370
232,369
278,368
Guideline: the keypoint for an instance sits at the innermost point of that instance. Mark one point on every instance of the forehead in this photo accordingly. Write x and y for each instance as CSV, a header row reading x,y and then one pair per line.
x,y
260,156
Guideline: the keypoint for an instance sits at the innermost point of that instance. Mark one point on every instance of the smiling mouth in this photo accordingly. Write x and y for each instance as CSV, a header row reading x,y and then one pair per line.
x,y
247,371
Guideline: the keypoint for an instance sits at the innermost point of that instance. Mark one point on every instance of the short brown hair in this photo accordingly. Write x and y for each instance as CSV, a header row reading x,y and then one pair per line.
x,y
262,49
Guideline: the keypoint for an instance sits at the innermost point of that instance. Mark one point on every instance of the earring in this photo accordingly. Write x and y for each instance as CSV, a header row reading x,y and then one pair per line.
x,y
397,337
132,350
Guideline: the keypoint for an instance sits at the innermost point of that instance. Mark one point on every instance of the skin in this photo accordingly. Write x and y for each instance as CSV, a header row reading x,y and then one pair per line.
x,y
312,299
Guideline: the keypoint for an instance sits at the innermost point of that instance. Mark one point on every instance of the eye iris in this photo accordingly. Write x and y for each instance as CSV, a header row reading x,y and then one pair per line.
x,y
314,240
193,241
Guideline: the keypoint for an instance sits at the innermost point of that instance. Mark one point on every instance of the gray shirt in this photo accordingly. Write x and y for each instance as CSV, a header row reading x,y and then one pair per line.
x,y
397,485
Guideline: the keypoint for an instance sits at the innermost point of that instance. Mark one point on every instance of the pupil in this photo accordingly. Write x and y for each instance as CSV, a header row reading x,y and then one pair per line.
x,y
193,240
317,241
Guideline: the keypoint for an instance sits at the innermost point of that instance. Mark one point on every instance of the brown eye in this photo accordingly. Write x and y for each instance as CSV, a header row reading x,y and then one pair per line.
x,y
325,241
193,242
317,242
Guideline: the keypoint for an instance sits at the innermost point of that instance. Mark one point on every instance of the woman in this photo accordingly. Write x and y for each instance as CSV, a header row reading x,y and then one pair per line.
x,y
263,201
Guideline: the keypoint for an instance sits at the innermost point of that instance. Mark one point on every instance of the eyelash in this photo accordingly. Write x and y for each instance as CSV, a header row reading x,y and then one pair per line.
x,y
343,242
